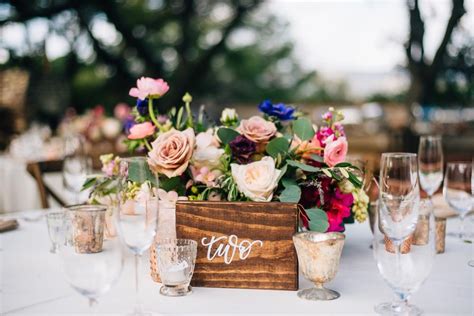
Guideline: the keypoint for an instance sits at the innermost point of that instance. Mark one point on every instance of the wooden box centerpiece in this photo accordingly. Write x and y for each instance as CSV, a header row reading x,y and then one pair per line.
x,y
241,244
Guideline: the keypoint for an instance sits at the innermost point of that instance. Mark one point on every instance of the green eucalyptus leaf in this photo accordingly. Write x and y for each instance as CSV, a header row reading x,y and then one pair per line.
x,y
139,171
226,135
89,183
282,173
343,165
291,193
303,128
318,219
317,158
170,184
303,166
288,182
277,146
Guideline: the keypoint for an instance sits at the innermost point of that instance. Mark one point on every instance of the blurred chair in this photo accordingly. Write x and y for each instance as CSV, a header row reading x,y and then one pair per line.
x,y
37,171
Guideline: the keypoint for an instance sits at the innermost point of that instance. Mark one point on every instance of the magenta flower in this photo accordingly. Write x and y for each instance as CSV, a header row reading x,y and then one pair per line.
x,y
149,87
323,133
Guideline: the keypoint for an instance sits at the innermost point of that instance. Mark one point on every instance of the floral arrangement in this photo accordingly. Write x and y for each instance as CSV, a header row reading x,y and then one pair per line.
x,y
279,156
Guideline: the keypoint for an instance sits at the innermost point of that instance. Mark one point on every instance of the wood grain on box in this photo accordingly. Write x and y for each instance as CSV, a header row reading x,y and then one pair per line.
x,y
241,244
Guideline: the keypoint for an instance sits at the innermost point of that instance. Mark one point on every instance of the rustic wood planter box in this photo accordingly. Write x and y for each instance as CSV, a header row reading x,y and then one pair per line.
x,y
241,244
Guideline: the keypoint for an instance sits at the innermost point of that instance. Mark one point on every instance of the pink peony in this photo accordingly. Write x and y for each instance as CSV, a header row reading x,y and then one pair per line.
x,y
257,129
335,151
139,131
149,87
171,152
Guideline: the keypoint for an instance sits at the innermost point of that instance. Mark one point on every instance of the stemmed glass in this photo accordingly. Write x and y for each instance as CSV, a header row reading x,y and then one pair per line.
x,y
91,274
76,166
399,198
137,218
430,162
405,273
457,190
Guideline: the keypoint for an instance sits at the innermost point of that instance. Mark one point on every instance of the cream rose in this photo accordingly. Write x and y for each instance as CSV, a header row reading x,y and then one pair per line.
x,y
207,153
257,180
171,152
257,129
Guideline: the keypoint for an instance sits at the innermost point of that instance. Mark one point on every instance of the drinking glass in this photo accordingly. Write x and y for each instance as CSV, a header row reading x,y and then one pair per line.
x,y
399,195
430,162
457,191
92,274
56,226
137,218
76,165
405,273
176,259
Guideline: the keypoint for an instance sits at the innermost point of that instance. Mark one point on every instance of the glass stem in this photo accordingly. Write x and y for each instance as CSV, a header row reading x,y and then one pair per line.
x,y
462,216
400,305
93,305
398,251
138,303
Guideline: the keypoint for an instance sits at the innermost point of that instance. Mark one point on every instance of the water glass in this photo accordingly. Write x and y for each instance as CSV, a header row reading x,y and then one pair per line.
x,y
87,224
430,162
74,173
176,259
457,190
405,273
91,274
56,228
137,216
399,195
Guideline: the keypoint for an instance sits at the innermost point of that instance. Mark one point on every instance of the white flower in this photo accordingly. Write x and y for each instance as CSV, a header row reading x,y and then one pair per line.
x,y
257,180
228,116
207,153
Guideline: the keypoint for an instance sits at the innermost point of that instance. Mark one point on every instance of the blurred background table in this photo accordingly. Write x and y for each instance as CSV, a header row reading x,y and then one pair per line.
x,y
34,284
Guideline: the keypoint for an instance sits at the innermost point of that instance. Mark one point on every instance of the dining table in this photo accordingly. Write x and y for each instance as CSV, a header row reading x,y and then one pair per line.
x,y
32,282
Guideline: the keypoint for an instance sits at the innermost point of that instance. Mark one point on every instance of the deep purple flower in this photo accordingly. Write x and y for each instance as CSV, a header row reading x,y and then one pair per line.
x,y
242,148
142,107
127,124
280,110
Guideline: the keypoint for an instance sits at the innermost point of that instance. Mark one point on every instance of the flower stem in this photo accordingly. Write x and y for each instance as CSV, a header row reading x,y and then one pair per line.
x,y
147,144
152,113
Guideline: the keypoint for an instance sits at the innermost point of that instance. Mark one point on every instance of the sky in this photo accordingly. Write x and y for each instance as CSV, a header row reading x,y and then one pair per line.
x,y
360,35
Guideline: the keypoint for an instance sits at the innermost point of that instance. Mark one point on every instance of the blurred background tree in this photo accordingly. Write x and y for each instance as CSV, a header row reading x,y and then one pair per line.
x,y
220,51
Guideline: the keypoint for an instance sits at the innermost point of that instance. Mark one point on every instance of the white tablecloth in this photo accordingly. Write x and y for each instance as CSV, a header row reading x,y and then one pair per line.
x,y
32,284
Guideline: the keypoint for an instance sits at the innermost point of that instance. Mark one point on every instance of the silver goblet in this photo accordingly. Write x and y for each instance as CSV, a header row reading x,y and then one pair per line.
x,y
318,257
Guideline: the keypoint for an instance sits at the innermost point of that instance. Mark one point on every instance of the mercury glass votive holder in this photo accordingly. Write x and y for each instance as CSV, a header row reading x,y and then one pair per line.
x,y
87,225
175,260
318,257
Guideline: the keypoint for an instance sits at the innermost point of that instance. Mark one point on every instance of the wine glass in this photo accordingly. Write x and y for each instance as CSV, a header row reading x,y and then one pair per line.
x,y
457,190
430,162
471,262
406,272
76,166
399,195
137,218
92,274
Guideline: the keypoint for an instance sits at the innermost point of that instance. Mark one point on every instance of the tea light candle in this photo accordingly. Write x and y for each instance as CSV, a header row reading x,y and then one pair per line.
x,y
176,274
440,234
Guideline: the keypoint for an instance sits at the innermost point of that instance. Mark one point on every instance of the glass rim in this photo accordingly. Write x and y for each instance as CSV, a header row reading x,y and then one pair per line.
x,y
398,155
327,236
180,243
86,208
458,163
431,136
134,158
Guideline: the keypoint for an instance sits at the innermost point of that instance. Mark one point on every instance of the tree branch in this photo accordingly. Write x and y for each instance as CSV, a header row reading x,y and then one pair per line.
x,y
457,12
416,35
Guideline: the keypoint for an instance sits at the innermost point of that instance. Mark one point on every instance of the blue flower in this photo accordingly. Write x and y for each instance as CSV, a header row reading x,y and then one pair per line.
x,y
280,110
142,107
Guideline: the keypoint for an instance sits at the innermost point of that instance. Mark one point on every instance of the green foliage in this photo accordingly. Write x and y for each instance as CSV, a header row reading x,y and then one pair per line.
x,y
291,193
318,219
278,146
139,172
226,135
303,166
303,128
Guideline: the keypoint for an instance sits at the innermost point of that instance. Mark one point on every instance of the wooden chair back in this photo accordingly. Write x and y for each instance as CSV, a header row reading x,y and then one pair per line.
x,y
37,171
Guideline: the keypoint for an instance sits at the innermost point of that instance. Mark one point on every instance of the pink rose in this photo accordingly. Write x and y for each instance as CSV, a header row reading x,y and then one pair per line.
x,y
139,131
171,152
149,87
257,129
335,151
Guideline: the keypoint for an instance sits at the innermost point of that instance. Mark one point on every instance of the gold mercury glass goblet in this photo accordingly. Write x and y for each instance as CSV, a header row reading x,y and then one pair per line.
x,y
318,257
